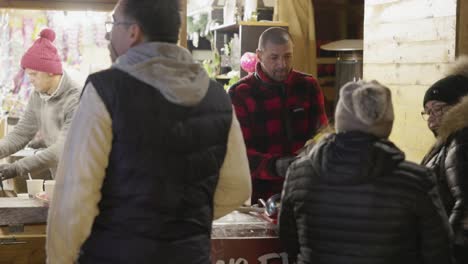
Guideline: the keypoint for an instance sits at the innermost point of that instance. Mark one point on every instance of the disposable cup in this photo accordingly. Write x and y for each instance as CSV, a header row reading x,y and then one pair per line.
x,y
49,187
34,187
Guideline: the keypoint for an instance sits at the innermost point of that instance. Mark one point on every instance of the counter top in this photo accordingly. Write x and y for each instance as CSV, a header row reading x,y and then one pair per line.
x,y
243,225
16,210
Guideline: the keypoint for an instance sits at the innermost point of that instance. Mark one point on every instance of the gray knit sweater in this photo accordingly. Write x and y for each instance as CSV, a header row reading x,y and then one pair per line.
x,y
51,116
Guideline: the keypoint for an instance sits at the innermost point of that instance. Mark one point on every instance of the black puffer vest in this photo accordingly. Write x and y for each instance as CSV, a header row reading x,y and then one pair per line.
x,y
157,196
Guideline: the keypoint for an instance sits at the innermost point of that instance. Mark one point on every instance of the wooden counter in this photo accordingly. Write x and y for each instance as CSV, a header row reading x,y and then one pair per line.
x,y
236,237
22,231
15,211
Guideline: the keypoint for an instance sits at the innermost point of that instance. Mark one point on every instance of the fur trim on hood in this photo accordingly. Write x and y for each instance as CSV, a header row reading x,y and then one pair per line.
x,y
455,119
459,67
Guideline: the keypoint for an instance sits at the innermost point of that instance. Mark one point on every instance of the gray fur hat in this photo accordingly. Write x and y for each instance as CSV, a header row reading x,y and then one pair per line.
x,y
366,107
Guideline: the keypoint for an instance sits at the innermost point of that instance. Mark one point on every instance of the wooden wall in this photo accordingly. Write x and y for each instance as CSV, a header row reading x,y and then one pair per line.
x,y
407,46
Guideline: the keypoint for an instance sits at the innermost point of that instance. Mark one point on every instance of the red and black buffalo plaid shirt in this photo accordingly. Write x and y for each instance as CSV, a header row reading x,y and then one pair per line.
x,y
276,120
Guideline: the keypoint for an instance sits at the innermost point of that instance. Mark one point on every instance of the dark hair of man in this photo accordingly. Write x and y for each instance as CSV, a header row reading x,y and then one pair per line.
x,y
274,35
158,19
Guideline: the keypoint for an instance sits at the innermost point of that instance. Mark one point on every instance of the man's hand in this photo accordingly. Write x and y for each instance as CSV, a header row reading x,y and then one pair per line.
x,y
37,144
282,165
8,171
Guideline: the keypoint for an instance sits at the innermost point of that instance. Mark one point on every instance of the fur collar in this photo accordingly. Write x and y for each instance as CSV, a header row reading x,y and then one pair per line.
x,y
454,120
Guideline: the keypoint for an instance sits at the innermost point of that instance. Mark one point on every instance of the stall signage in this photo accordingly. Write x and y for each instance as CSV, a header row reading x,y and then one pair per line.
x,y
247,251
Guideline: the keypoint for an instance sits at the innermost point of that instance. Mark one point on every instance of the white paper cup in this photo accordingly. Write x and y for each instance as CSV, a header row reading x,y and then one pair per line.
x,y
49,187
34,187
23,195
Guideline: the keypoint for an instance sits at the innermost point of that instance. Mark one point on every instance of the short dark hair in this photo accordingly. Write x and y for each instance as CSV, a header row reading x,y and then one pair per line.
x,y
275,35
158,19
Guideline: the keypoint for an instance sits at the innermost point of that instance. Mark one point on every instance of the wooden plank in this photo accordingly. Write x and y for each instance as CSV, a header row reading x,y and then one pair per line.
x,y
226,28
326,60
234,27
462,28
410,96
405,74
183,25
23,251
408,10
410,52
36,230
22,211
98,5
408,45
410,132
438,28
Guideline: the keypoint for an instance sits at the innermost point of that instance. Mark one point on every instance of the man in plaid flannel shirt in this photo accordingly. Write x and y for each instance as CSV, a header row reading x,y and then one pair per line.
x,y
279,109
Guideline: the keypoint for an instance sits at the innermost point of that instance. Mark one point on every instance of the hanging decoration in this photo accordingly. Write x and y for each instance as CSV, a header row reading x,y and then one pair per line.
x,y
248,62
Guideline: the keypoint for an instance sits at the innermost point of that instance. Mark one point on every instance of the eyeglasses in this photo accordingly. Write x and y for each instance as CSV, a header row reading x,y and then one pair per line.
x,y
110,24
436,111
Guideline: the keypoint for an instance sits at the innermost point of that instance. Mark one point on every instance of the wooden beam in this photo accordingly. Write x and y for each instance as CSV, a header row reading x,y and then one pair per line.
x,y
437,51
462,28
95,5
408,10
183,25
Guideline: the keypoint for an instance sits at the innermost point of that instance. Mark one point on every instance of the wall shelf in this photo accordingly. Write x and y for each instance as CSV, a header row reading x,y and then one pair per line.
x,y
235,27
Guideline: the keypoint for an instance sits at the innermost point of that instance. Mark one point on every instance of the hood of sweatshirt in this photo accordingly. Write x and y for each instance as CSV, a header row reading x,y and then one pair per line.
x,y
169,69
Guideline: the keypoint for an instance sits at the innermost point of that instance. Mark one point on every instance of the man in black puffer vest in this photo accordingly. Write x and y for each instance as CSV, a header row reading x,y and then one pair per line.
x,y
353,199
156,152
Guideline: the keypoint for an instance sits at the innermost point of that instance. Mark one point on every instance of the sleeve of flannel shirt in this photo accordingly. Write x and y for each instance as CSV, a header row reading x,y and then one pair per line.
x,y
321,116
262,165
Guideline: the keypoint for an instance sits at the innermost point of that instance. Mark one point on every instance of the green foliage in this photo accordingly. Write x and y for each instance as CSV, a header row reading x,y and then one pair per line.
x,y
212,67
231,82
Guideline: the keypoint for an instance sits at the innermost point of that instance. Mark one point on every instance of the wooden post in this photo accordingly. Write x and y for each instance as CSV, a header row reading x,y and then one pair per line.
x,y
462,28
183,25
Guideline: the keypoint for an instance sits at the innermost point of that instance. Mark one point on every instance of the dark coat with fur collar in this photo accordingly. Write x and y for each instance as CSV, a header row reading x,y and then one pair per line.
x,y
449,159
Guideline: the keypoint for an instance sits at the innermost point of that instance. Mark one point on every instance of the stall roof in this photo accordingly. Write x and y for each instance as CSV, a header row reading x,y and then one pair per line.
x,y
96,5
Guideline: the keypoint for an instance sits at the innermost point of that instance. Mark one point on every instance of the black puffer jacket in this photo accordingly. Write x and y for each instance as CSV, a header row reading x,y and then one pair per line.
x,y
449,159
353,199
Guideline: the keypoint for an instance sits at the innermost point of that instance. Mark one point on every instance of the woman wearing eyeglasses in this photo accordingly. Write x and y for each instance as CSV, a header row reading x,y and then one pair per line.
x,y
446,112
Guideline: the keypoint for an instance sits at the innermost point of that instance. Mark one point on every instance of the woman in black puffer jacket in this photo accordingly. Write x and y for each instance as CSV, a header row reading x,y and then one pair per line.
x,y
354,199
446,108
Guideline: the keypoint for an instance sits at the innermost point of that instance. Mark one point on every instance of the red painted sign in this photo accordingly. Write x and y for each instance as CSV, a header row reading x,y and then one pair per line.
x,y
247,251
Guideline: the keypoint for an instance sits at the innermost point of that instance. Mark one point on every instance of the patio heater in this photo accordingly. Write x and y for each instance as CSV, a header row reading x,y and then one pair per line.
x,y
348,65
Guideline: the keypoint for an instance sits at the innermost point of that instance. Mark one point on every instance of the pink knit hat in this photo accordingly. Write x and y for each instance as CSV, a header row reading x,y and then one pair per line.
x,y
43,56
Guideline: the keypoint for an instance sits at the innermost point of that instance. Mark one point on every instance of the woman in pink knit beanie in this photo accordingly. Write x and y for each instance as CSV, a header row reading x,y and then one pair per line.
x,y
49,110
